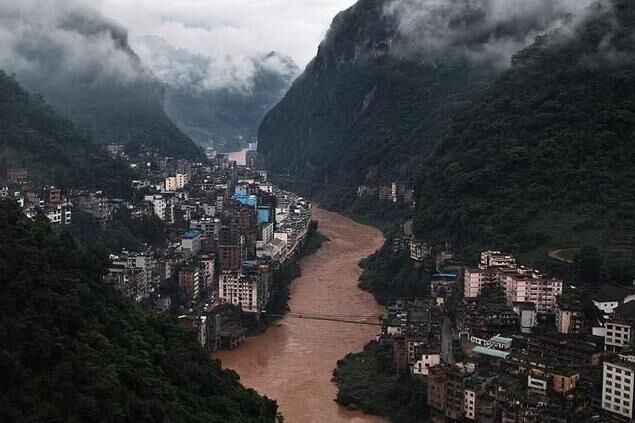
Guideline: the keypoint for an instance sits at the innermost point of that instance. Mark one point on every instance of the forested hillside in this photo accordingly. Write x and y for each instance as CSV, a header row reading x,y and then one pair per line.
x,y
73,350
35,136
544,159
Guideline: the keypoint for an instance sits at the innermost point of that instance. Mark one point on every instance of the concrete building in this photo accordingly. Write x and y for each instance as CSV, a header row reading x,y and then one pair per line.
x,y
619,335
189,282
533,287
176,183
425,362
569,318
527,316
133,274
618,386
249,287
496,259
163,207
60,214
474,279
191,242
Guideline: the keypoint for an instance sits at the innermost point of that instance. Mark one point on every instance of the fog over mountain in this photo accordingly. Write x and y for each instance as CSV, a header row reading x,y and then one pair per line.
x,y
82,63
483,31
64,40
210,98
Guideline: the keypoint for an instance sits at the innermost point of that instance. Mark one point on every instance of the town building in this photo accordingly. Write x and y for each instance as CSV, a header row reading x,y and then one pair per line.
x,y
249,287
189,282
191,242
618,386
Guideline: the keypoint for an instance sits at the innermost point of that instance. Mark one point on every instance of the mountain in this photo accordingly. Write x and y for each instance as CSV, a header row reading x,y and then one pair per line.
x,y
82,64
207,105
383,87
73,349
35,136
543,160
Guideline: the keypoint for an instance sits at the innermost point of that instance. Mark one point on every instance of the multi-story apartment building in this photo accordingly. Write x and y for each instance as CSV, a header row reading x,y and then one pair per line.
x,y
248,287
163,207
175,183
528,285
496,259
191,242
474,279
134,274
189,282
619,335
618,386
491,269
569,318
60,214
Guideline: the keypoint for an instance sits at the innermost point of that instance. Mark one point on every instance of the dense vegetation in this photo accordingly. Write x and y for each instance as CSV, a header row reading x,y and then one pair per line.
x,y
35,136
544,159
73,350
122,232
389,276
366,382
361,114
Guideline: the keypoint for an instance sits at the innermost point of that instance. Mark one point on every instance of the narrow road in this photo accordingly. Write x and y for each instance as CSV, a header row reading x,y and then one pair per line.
x,y
447,355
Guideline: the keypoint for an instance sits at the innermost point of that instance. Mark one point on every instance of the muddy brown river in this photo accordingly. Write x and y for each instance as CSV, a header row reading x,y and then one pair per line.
x,y
293,361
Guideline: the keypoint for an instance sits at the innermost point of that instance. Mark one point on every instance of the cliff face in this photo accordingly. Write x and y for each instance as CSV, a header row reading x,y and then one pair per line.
x,y
362,112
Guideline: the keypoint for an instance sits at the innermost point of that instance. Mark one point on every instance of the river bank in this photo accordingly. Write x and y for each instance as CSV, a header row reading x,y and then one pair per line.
x,y
293,361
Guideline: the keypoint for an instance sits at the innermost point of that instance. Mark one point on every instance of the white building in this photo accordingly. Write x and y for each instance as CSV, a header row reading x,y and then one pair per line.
x,y
618,335
469,404
61,214
618,386
527,316
537,383
248,289
496,259
191,242
427,360
175,183
163,207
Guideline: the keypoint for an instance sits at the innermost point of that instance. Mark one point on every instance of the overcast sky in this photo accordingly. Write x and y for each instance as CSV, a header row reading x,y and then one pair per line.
x,y
231,27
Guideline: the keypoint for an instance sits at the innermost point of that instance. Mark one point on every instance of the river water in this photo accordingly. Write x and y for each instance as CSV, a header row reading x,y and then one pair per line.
x,y
240,156
292,362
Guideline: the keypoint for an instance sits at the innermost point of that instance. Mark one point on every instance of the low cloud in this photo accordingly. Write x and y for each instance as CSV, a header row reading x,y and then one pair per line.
x,y
184,69
482,31
50,41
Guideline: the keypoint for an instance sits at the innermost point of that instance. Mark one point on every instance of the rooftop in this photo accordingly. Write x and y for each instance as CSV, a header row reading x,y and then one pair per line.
x,y
191,234
490,352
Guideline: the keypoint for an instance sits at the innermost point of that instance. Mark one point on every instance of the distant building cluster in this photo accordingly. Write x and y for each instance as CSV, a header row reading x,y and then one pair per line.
x,y
503,342
394,192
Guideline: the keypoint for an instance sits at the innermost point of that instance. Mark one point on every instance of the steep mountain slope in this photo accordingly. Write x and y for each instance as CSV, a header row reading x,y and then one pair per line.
x,y
34,136
72,349
544,159
385,83
358,113
82,63
206,107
